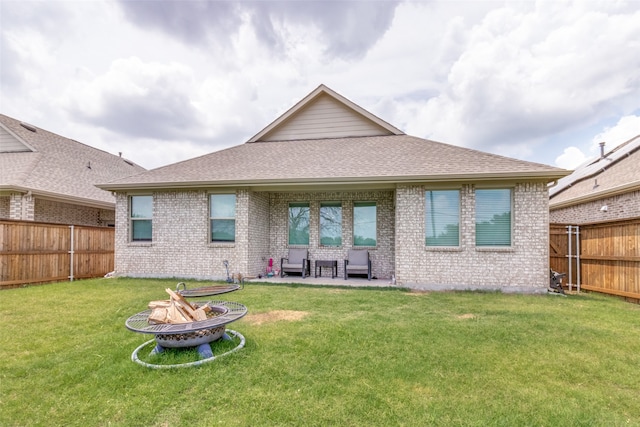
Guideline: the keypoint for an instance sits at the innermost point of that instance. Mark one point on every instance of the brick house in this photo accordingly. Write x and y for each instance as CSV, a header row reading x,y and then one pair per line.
x,y
329,176
605,189
45,177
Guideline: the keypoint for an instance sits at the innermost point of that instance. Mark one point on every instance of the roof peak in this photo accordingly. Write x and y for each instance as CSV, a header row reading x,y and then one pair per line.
x,y
312,114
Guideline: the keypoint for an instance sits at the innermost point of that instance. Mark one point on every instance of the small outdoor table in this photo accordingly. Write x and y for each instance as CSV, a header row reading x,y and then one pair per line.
x,y
327,263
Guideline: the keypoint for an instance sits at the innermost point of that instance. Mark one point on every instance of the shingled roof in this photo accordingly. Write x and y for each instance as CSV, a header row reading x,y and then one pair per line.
x,y
49,165
327,140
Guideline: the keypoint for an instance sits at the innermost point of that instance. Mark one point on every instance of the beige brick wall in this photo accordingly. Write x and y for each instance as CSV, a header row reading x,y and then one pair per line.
x,y
25,207
21,206
623,206
180,246
523,267
381,255
66,213
258,233
5,203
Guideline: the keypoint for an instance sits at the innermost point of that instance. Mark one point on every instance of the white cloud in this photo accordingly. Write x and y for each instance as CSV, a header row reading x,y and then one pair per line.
x,y
522,79
627,127
139,99
525,74
571,158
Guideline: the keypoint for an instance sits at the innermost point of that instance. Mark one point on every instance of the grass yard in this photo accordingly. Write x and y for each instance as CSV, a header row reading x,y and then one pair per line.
x,y
321,356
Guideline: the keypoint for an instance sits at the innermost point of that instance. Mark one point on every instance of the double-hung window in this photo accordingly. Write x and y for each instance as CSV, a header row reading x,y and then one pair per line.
x,y
493,217
299,223
330,224
364,224
442,218
141,214
222,208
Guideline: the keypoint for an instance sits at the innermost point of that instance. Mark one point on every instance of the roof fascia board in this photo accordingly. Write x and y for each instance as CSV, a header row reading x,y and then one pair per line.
x,y
16,136
545,177
77,201
45,195
621,189
322,89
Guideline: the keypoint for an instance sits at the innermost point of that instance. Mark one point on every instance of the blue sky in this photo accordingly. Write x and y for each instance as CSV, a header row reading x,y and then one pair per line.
x,y
543,81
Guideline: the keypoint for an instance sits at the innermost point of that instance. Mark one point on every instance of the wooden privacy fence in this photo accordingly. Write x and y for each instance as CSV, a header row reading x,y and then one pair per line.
x,y
32,252
603,257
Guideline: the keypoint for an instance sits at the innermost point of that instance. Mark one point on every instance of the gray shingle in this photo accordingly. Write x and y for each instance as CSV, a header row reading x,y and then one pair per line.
x,y
361,159
59,166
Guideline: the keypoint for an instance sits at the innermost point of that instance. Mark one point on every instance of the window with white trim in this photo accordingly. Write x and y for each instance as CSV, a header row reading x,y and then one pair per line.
x,y
299,223
222,220
442,218
364,224
141,218
493,217
330,224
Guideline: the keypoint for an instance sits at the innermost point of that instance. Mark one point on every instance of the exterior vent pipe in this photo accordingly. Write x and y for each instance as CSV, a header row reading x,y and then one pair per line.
x,y
602,149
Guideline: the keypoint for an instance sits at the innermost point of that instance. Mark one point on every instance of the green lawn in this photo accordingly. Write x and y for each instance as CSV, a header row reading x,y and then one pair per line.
x,y
321,356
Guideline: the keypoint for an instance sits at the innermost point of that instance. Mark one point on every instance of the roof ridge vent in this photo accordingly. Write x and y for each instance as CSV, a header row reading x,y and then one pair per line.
x,y
27,126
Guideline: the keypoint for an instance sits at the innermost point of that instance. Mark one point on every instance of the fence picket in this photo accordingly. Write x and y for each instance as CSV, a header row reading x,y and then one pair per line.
x,y
609,256
32,252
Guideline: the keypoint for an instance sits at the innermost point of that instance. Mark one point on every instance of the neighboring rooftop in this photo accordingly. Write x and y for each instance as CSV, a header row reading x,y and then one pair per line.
x,y
613,172
49,165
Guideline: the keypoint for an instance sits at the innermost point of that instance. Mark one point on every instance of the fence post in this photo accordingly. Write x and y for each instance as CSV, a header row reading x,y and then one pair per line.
x,y
71,252
569,255
578,256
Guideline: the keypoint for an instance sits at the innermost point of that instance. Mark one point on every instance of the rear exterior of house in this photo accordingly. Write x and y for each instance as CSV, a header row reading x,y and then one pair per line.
x,y
329,176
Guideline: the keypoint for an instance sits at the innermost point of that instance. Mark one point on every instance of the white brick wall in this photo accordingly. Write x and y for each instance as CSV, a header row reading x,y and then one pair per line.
x,y
180,246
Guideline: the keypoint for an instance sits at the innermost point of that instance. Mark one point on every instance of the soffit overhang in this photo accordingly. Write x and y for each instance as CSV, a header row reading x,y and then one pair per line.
x,y
56,197
597,195
339,183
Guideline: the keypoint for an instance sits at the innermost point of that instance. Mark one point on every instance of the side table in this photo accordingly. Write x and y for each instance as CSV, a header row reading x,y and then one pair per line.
x,y
327,263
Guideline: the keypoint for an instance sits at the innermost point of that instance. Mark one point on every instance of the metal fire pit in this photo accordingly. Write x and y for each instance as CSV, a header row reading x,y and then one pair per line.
x,y
205,291
193,333
196,338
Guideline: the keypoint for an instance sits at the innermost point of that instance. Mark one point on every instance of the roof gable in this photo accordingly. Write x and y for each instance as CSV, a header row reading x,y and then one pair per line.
x,y
11,143
324,114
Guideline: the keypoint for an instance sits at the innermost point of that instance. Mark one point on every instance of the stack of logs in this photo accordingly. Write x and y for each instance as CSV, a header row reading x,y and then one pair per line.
x,y
176,310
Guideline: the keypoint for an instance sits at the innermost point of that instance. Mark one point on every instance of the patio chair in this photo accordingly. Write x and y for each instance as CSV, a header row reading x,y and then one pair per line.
x,y
357,262
296,262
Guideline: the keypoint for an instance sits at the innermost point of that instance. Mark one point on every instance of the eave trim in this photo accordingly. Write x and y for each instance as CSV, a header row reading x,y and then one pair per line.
x,y
621,189
526,176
